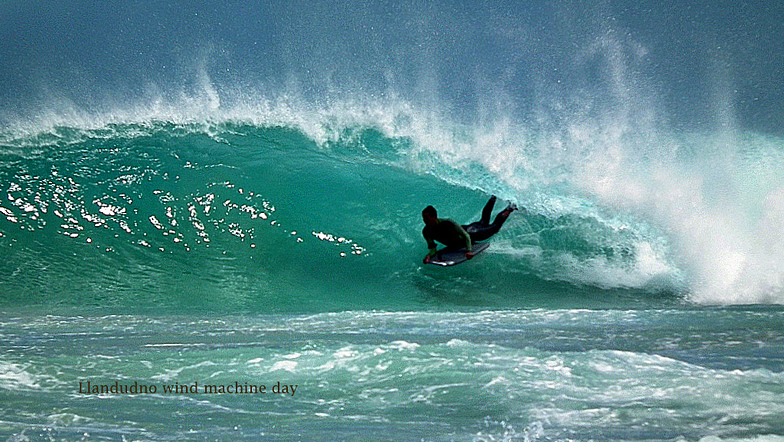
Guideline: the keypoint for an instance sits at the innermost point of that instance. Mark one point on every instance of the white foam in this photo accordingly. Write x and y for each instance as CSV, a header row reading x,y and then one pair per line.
x,y
289,366
730,241
13,377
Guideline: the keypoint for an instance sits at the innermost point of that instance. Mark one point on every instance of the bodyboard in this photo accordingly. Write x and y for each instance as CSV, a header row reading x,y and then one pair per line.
x,y
446,257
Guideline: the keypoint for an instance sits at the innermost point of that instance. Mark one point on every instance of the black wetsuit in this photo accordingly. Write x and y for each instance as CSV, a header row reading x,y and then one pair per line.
x,y
482,230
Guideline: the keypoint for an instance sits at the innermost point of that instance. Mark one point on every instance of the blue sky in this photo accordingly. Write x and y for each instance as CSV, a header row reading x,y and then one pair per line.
x,y
686,53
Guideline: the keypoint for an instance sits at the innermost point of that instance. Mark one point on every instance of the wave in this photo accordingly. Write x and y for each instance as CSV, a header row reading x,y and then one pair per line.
x,y
142,208
324,203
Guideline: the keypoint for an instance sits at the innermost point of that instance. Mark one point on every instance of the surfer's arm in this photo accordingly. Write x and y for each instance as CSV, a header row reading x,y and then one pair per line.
x,y
429,255
431,245
462,233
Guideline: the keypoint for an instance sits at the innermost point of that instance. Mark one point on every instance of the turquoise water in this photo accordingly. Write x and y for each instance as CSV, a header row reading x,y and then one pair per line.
x,y
166,218
200,198
221,255
539,374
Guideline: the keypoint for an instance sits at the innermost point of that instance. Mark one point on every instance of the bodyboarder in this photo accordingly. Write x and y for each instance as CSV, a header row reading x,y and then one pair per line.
x,y
455,236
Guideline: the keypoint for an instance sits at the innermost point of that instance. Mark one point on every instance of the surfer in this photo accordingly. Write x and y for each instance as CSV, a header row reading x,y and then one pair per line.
x,y
455,236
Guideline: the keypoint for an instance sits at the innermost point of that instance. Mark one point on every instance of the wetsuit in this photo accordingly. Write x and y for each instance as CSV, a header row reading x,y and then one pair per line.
x,y
482,230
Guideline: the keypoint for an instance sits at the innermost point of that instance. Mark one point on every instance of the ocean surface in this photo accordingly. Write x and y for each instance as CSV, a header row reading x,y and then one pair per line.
x,y
210,221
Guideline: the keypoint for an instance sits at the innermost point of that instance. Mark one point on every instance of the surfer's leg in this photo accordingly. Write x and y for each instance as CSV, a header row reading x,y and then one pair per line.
x,y
502,216
487,211
481,233
500,219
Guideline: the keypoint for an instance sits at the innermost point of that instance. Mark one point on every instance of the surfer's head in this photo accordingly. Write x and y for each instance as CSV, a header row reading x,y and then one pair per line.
x,y
429,215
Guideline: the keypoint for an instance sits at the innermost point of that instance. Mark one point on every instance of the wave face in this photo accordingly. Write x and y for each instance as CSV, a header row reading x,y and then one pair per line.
x,y
245,217
259,160
248,217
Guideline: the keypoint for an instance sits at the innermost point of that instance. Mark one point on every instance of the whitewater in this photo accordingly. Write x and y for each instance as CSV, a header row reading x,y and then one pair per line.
x,y
210,222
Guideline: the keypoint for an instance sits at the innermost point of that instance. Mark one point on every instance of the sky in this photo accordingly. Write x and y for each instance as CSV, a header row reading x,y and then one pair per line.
x,y
706,64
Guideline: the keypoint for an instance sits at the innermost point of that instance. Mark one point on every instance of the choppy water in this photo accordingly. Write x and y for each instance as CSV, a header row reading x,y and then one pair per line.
x,y
542,374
